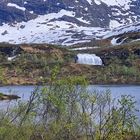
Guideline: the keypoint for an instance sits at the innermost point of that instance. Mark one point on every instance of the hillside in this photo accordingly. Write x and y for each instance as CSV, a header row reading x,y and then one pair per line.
x,y
33,64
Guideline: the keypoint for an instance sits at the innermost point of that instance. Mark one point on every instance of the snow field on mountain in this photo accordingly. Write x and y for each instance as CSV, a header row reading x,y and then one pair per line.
x,y
44,30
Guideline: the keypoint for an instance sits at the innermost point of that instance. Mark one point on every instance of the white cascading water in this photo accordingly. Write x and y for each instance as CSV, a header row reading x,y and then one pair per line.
x,y
89,59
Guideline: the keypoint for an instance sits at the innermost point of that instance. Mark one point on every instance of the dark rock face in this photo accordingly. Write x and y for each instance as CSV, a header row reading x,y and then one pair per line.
x,y
96,15
119,52
109,55
10,50
137,52
11,14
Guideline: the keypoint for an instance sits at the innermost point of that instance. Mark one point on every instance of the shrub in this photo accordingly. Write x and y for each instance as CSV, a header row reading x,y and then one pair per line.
x,y
66,111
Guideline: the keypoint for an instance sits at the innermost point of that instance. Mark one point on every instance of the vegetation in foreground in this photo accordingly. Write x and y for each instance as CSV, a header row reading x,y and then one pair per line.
x,y
66,111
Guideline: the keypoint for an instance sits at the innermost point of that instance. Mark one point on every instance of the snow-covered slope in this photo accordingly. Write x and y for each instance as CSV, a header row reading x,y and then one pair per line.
x,y
124,34
64,22
135,27
43,30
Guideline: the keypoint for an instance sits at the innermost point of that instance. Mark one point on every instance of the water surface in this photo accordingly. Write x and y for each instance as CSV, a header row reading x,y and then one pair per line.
x,y
117,90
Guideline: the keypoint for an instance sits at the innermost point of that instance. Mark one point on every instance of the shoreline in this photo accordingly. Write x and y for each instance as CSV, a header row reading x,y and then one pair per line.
x,y
96,84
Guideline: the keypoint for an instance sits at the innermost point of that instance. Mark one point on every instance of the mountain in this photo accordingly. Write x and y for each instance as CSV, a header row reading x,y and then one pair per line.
x,y
63,22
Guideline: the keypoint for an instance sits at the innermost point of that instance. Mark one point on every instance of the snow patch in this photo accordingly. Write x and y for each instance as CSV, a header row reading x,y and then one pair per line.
x,y
84,48
114,24
98,2
125,4
89,1
16,6
11,58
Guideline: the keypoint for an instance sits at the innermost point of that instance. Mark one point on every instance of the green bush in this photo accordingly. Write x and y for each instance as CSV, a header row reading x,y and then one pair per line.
x,y
66,111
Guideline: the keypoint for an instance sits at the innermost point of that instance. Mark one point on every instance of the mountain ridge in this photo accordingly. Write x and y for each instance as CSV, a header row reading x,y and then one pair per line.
x,y
104,11
66,22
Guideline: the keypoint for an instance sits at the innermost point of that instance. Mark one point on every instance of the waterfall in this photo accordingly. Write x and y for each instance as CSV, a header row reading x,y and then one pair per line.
x,y
89,59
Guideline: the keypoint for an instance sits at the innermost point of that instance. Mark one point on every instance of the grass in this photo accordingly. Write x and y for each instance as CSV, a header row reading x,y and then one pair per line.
x,y
35,62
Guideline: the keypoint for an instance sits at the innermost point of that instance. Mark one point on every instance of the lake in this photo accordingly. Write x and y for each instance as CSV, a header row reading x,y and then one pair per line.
x,y
116,90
